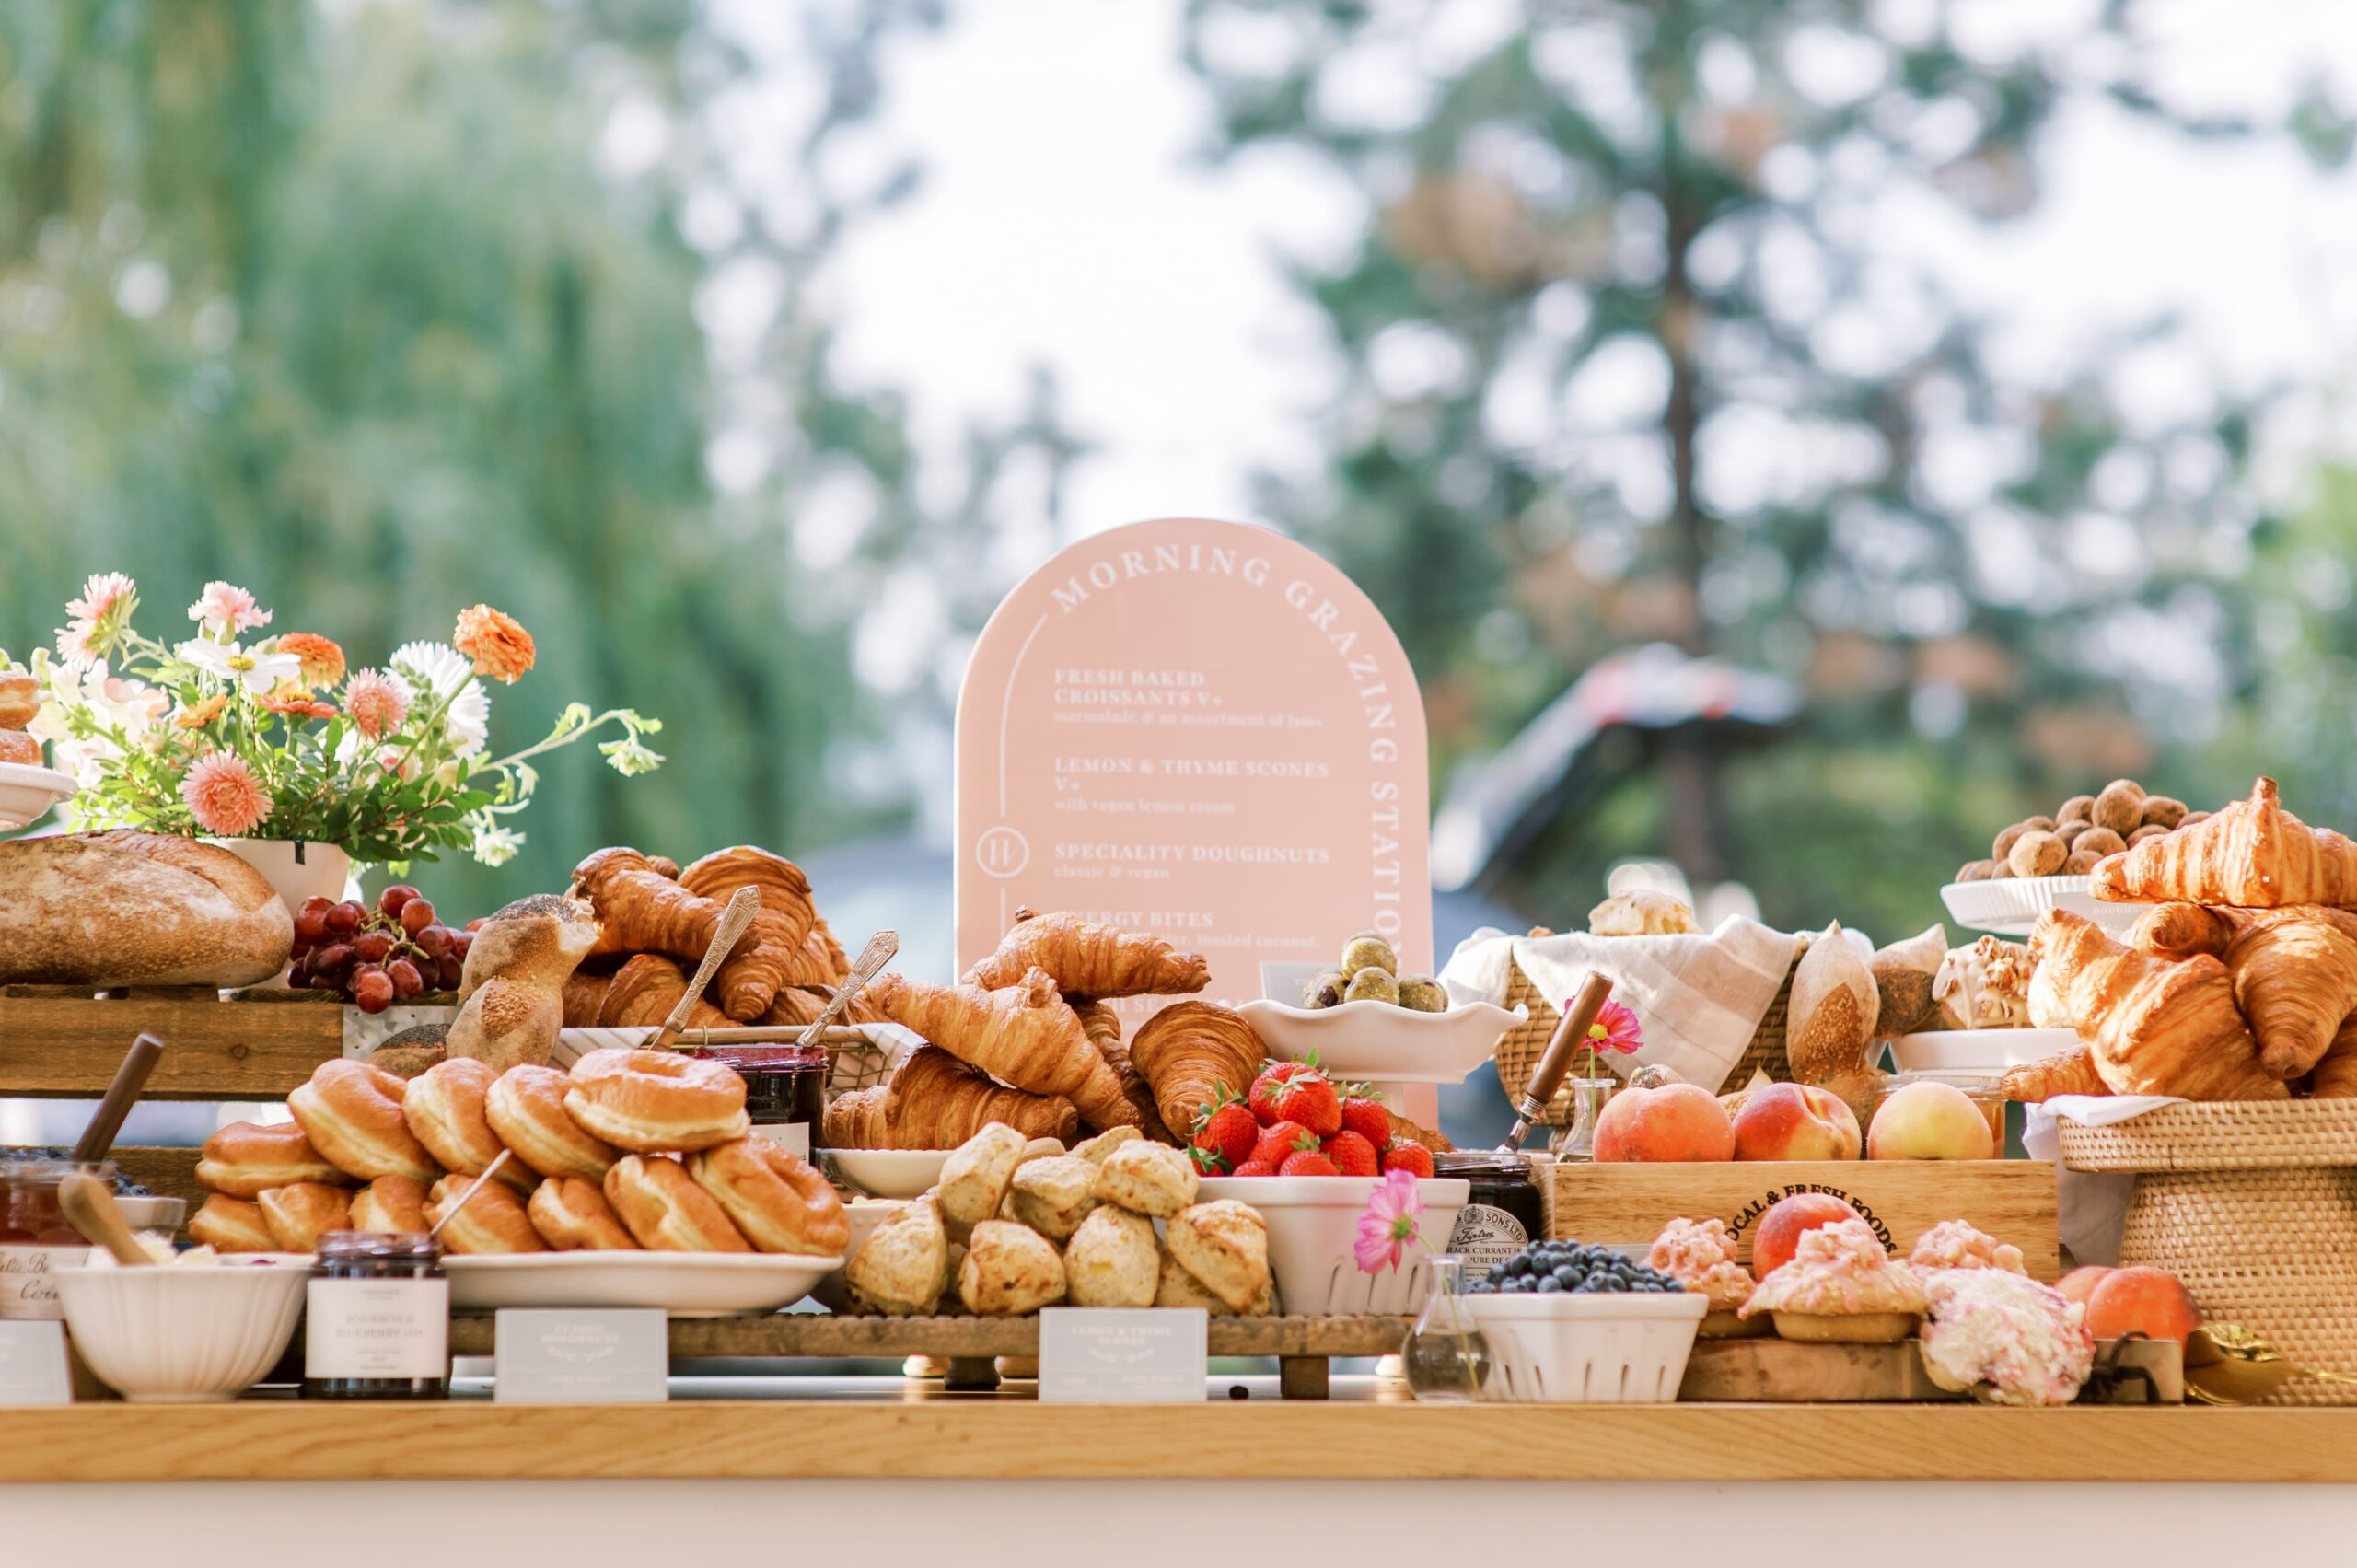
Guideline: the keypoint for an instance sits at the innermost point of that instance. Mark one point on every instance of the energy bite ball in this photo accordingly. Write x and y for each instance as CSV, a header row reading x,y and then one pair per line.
x,y
1368,951
1423,994
1324,989
2037,854
1372,985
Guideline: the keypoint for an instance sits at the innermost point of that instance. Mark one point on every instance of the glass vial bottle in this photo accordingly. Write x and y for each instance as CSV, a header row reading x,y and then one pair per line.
x,y
1445,1357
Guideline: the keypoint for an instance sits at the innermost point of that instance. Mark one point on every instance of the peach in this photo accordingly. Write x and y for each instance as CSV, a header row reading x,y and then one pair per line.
x,y
1676,1122
2080,1284
1778,1235
1796,1121
1929,1121
2150,1302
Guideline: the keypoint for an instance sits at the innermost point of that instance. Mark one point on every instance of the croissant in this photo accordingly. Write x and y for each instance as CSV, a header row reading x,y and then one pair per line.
x,y
2072,1072
644,992
936,1101
1103,1026
2154,1026
2336,1074
2294,971
643,911
1023,1035
2252,855
797,1008
1087,958
1190,1052
584,994
752,975
820,960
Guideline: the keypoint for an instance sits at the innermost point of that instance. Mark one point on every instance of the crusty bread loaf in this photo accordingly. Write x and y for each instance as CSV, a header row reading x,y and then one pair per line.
x,y
135,909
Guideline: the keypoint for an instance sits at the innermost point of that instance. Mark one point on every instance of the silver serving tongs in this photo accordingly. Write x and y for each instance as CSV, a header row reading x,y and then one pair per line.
x,y
1548,1076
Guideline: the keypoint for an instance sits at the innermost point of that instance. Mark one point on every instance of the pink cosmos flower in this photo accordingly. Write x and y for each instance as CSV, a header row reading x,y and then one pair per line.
x,y
224,610
224,797
1389,1224
376,702
97,617
1616,1029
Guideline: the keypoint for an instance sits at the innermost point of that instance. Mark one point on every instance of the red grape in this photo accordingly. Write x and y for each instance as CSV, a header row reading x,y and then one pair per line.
x,y
449,969
407,981
392,900
373,989
462,943
373,946
344,919
332,959
311,925
416,916
316,904
434,941
476,924
298,975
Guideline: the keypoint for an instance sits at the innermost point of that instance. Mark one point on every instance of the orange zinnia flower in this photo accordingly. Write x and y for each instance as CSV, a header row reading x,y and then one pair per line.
x,y
500,647
204,714
322,660
298,706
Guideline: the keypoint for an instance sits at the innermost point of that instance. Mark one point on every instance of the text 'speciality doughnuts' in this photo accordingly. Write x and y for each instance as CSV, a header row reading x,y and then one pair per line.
x,y
245,1159
573,1215
445,1107
779,1200
656,1101
667,1211
526,1108
351,1113
492,1221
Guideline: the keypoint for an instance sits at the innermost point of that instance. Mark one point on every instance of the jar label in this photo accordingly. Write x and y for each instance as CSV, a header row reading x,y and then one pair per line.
x,y
1485,1238
28,1281
793,1136
377,1328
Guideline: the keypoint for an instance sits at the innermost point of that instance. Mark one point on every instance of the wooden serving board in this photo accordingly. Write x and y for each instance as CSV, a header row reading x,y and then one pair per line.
x,y
64,1042
1628,1205
826,1334
1772,1371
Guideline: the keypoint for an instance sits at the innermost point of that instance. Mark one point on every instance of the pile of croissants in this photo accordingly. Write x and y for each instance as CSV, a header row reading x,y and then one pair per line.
x,y
2240,982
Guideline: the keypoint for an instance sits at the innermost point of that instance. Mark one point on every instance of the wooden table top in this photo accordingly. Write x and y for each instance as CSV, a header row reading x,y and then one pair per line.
x,y
928,1435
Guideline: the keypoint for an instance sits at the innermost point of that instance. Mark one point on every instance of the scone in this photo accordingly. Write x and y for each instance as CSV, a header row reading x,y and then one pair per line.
x,y
1148,1179
1225,1245
1009,1271
974,1178
1641,911
1176,1287
1113,1259
1105,1143
905,1266
1053,1196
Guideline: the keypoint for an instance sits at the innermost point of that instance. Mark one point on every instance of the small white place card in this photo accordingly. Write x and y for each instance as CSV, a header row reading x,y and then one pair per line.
x,y
32,1364
581,1357
1092,1355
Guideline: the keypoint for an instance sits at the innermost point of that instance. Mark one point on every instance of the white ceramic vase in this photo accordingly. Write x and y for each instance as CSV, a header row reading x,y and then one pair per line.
x,y
296,869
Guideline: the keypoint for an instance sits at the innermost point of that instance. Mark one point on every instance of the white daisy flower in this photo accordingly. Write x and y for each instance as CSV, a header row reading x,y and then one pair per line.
x,y
260,674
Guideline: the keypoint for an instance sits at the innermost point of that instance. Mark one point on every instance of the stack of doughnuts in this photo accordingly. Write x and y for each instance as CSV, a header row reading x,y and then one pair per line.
x,y
596,1163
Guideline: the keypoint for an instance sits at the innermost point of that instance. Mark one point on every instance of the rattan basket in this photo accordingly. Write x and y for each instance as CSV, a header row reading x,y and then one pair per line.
x,y
1519,1050
2254,1206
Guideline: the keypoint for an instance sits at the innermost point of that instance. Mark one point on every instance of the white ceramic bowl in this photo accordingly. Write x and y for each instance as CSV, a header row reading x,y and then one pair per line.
x,y
1314,1220
887,1173
1387,1044
1969,1051
151,1213
2009,906
1614,1350
685,1284
27,792
181,1335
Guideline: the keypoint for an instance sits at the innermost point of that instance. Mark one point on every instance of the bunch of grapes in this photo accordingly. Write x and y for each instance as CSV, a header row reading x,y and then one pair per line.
x,y
397,950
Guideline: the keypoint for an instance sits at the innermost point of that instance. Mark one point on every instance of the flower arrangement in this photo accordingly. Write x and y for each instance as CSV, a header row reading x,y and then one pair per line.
x,y
1616,1029
275,738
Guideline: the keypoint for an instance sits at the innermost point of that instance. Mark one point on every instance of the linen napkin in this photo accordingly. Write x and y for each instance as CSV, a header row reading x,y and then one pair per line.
x,y
2090,1206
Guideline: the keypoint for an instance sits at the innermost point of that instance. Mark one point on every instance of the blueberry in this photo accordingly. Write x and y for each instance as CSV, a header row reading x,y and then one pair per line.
x,y
1549,1285
1481,1287
1516,1266
1612,1282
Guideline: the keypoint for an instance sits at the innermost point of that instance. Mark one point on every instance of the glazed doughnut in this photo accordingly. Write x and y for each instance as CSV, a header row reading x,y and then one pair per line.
x,y
573,1215
492,1221
390,1203
778,1201
443,1106
245,1159
351,1113
302,1211
655,1101
526,1108
231,1224
19,700
15,745
665,1209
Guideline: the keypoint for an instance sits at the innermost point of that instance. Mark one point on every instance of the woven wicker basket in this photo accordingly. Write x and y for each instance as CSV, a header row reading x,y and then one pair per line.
x,y
2254,1206
1519,1050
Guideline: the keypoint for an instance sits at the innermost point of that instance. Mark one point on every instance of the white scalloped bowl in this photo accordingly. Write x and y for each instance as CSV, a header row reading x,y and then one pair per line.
x,y
1314,1220
2009,906
181,1335
1969,1051
1385,1044
27,792
887,1173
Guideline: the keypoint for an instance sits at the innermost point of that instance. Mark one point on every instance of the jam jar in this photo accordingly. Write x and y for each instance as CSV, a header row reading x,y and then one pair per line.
x,y
37,1242
1503,1213
785,1089
378,1318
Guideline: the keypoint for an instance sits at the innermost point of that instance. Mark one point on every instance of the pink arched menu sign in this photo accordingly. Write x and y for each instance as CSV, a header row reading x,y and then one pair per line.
x,y
1202,729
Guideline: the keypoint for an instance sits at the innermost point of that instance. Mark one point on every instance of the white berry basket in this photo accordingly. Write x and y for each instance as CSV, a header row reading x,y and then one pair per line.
x,y
1313,1224
1593,1350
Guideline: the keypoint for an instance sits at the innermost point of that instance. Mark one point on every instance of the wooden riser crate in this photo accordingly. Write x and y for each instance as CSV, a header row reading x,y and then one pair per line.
x,y
1780,1372
60,1042
1628,1205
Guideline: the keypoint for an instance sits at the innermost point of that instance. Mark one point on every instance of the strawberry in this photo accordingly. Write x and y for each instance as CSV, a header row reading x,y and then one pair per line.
x,y
1352,1154
1255,1167
1307,1097
1405,1155
1261,1097
1280,1139
1367,1118
1307,1162
1225,1132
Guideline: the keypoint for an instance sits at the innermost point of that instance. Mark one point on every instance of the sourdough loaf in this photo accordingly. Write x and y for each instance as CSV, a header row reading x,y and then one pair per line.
x,y
135,909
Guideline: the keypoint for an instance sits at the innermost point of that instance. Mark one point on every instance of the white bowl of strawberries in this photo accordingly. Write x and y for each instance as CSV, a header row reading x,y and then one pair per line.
x,y
1309,1159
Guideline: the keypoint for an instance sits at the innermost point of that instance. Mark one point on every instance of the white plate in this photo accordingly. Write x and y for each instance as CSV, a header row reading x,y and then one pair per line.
x,y
887,1173
1314,1220
26,791
1965,1051
2009,906
685,1284
1376,1041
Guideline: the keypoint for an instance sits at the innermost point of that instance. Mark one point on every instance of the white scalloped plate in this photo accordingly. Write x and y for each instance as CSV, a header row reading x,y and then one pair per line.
x,y
685,1284
1385,1044
27,792
2009,906
1969,1051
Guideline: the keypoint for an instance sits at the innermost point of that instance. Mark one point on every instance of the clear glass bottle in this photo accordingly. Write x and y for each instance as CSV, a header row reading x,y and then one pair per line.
x,y
1446,1356
1577,1142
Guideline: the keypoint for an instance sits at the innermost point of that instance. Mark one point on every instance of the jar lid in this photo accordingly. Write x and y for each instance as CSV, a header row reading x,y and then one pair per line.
x,y
1482,1162
393,1246
782,1058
